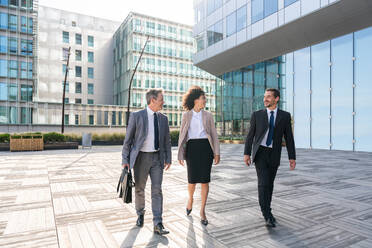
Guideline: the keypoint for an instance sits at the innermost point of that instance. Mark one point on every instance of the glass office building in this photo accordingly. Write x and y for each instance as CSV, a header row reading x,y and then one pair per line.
x,y
325,84
166,64
17,54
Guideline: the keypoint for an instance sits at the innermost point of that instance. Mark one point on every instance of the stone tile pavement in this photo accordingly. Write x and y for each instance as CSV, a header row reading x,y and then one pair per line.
x,y
68,199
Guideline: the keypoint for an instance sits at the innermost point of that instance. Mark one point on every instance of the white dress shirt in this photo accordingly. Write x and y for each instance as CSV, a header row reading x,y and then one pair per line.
x,y
263,143
149,144
196,128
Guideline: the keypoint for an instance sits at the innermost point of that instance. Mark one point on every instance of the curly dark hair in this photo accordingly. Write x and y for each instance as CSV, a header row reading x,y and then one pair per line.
x,y
191,95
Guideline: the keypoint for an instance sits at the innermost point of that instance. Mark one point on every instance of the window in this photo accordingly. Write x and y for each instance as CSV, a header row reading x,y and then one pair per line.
x,y
28,24
64,53
213,5
4,2
13,68
67,119
271,6
91,118
66,37
150,25
241,18
26,4
90,57
78,55
90,72
90,101
13,45
215,33
4,20
77,87
77,71
231,24
90,89
3,91
23,70
3,44
257,10
113,119
289,2
13,3
67,100
29,70
90,41
77,117
172,30
26,93
78,100
13,92
3,68
63,69
78,39
67,90
13,22
26,47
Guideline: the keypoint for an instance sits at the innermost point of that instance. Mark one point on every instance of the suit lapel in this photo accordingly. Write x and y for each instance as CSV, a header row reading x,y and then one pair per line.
x,y
278,117
145,122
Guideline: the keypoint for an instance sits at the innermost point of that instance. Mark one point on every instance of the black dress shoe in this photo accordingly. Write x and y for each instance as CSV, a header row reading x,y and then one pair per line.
x,y
204,222
188,211
139,222
160,230
270,222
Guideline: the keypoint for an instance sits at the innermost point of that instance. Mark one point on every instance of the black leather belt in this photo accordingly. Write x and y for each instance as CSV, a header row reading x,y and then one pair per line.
x,y
266,148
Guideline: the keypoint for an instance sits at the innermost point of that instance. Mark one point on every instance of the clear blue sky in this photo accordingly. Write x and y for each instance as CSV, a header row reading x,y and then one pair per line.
x,y
116,10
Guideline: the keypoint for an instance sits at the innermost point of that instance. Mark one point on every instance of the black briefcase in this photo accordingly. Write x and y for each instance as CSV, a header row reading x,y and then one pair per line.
x,y
125,185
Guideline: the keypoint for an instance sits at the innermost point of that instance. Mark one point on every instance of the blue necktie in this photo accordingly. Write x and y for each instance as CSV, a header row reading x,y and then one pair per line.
x,y
271,129
156,132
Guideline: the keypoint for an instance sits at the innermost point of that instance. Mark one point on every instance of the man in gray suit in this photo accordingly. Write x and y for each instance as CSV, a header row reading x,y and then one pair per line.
x,y
147,149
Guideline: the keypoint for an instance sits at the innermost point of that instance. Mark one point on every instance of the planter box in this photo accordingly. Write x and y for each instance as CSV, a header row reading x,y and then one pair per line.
x,y
107,143
4,147
31,143
232,141
61,145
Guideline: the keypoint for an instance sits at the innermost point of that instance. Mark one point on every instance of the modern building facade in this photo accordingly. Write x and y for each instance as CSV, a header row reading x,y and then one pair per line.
x,y
89,80
322,70
166,63
18,20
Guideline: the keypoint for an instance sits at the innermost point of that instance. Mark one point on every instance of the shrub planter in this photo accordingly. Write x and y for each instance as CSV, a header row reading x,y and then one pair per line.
x,y
4,147
107,143
61,145
28,142
232,141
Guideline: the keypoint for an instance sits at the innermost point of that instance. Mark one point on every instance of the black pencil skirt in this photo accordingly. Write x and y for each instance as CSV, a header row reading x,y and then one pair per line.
x,y
199,159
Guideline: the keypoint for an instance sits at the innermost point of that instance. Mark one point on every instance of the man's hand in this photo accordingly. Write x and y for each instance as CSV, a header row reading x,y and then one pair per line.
x,y
216,159
247,160
125,165
181,162
292,164
166,166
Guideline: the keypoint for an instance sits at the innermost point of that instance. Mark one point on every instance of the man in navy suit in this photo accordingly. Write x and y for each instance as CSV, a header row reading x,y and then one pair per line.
x,y
264,145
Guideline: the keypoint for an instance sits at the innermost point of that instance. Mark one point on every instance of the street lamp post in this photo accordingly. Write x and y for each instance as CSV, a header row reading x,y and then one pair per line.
x,y
64,92
131,79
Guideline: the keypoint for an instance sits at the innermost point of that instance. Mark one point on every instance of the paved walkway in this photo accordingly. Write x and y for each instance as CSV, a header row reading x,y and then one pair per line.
x,y
68,199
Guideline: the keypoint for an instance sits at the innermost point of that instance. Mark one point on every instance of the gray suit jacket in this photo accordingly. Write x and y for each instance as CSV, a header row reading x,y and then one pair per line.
x,y
136,134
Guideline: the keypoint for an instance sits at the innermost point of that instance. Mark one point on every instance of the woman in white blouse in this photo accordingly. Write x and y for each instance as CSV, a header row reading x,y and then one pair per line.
x,y
198,143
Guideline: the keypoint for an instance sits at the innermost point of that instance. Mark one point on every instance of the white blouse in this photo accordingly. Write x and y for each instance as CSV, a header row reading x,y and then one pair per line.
x,y
196,128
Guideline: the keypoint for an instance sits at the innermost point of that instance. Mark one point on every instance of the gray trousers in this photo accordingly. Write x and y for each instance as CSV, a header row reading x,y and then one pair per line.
x,y
149,164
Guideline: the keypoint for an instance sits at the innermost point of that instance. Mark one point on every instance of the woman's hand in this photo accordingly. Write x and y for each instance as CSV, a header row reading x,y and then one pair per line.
x,y
216,159
181,162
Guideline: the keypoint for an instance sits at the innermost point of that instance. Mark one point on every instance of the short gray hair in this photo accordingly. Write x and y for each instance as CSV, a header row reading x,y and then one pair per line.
x,y
153,93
